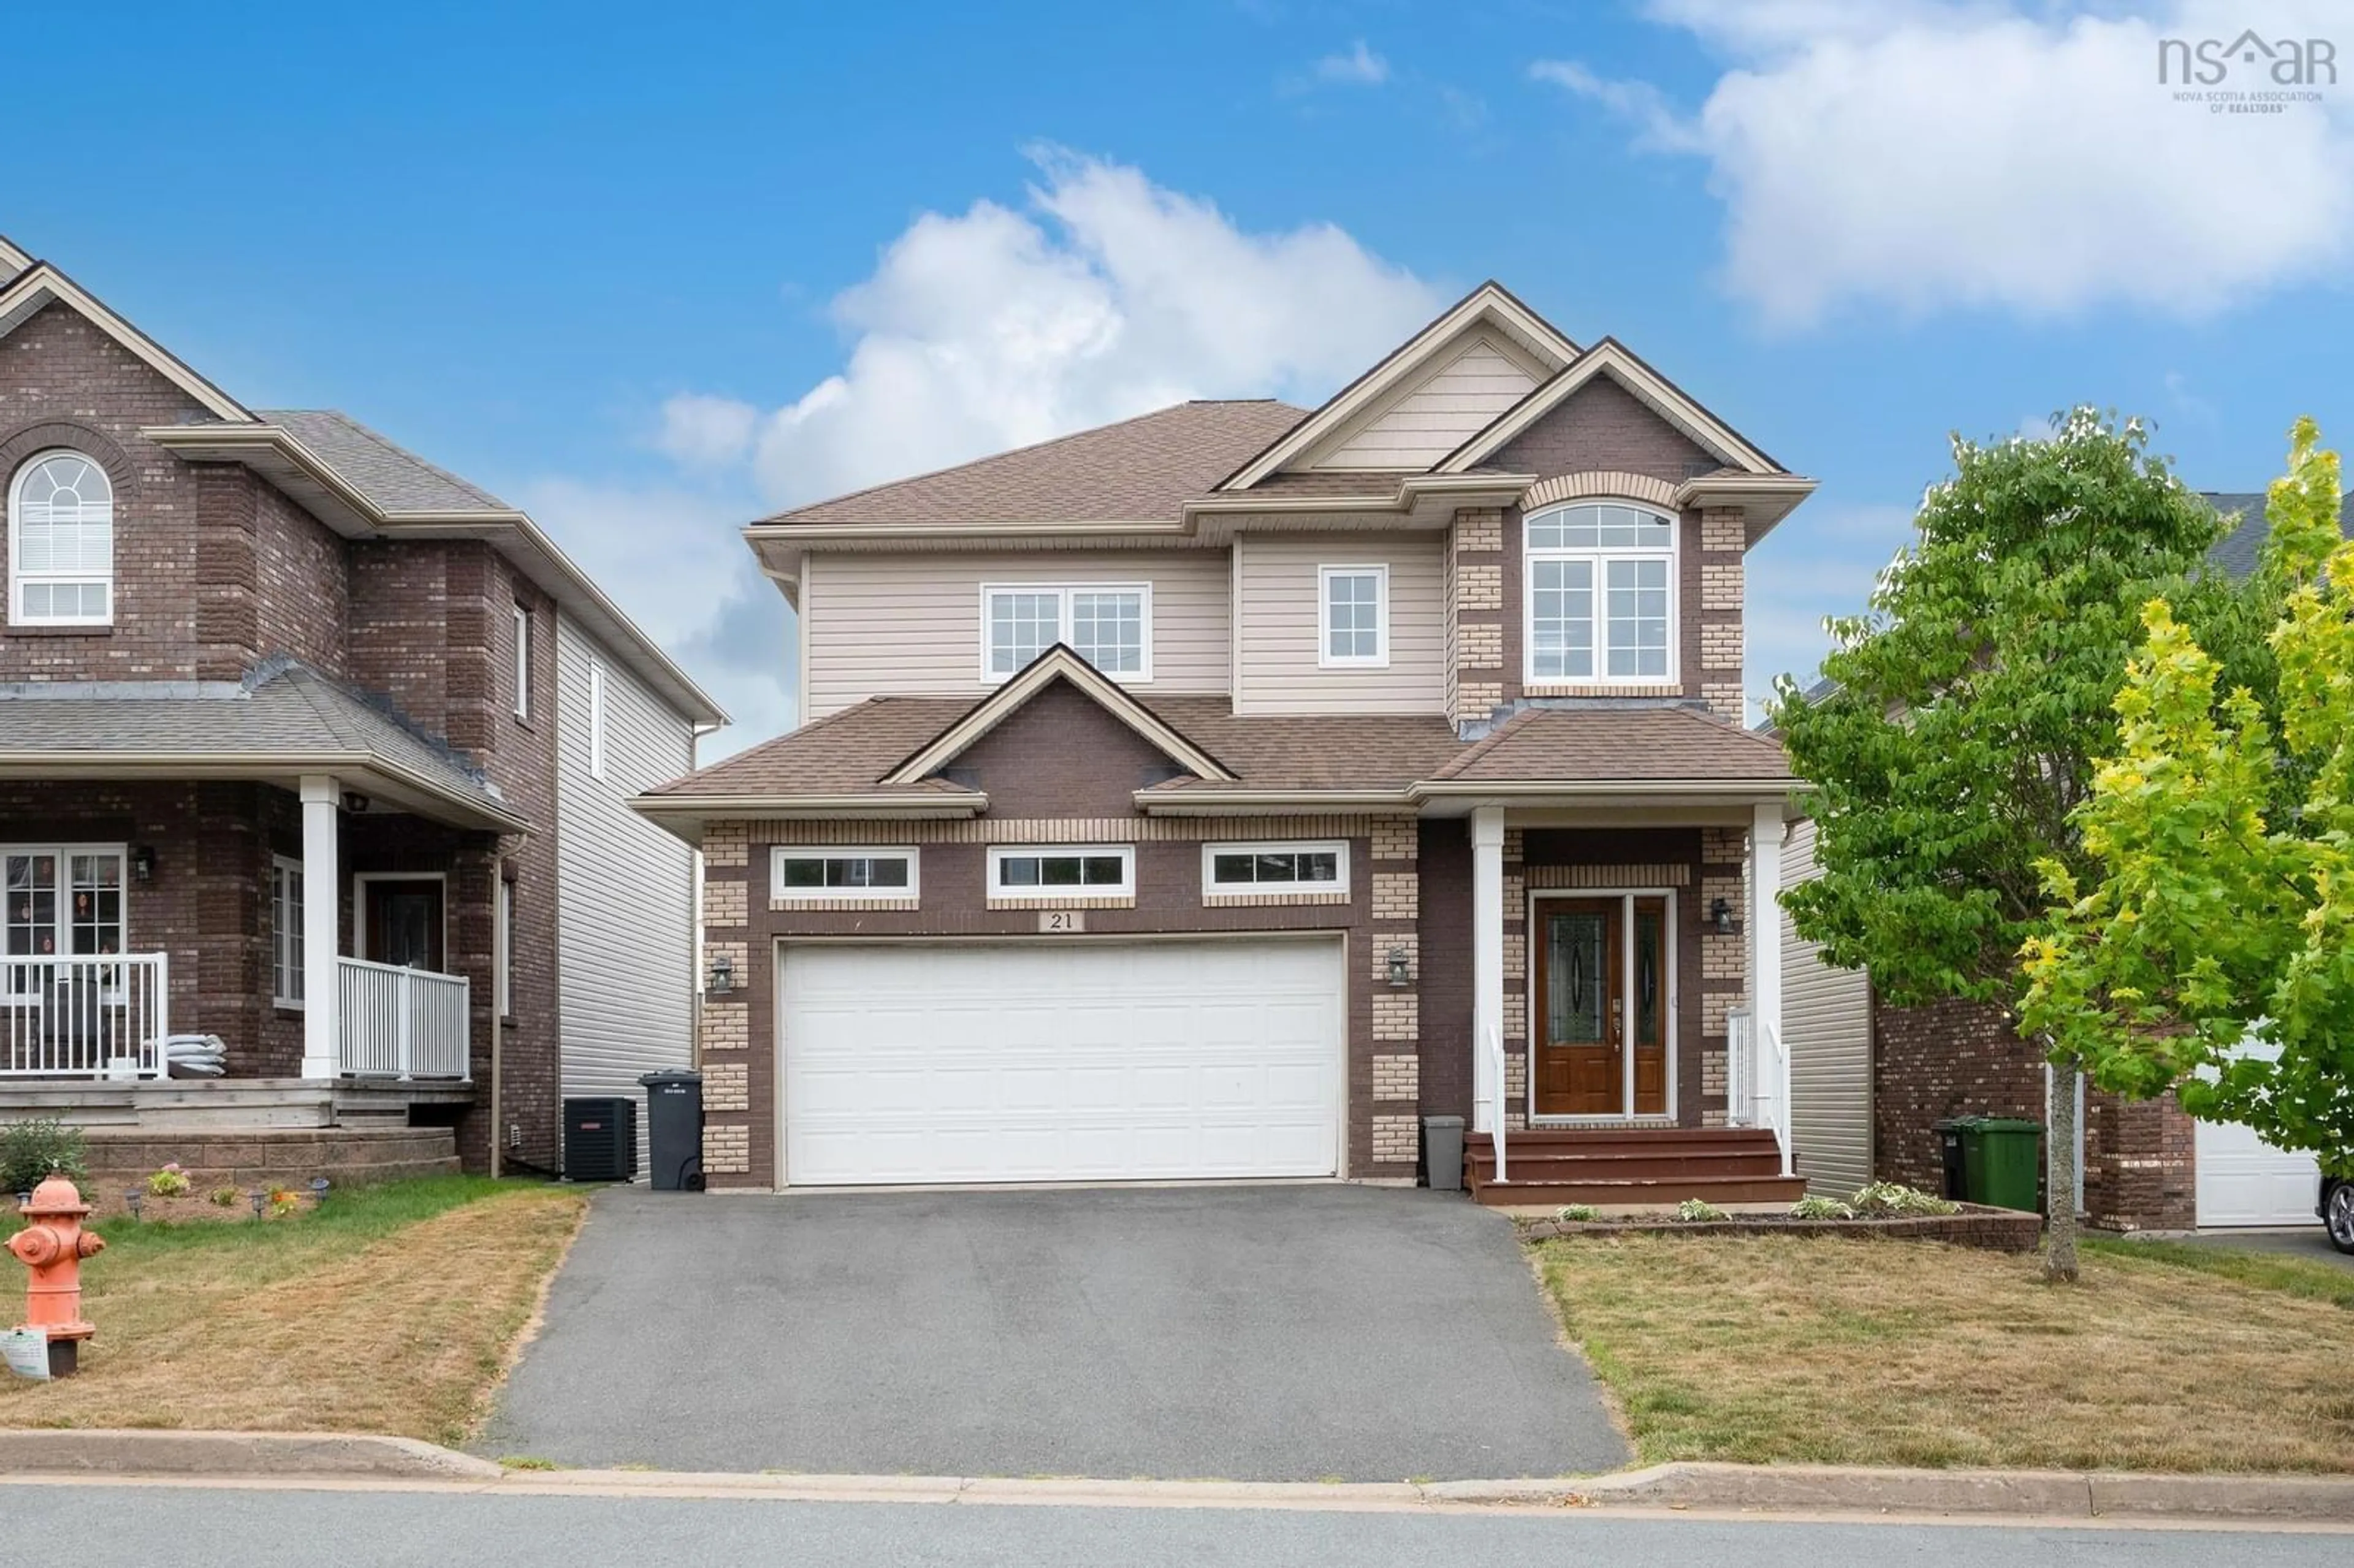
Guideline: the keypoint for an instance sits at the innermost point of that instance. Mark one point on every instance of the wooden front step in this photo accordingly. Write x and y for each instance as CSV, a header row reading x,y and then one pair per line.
x,y
1623,1167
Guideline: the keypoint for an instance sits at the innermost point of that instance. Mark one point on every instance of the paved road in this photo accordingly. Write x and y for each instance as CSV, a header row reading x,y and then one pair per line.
x,y
109,1527
1236,1333
2302,1241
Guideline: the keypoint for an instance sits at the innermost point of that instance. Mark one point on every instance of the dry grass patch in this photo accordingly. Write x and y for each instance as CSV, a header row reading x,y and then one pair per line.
x,y
389,1310
1833,1350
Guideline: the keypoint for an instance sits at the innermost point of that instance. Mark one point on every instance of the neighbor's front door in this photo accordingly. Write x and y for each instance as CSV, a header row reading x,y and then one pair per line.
x,y
404,922
1580,1012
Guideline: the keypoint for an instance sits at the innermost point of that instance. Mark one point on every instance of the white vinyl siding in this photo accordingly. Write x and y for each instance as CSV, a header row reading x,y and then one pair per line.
x,y
1278,640
910,625
1451,405
1827,1024
625,912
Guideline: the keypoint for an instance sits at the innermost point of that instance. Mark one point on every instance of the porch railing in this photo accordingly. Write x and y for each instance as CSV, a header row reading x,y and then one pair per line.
x,y
400,1023
84,1017
1757,1079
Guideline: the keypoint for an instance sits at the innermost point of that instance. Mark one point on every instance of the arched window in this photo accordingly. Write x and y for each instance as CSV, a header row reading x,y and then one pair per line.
x,y
62,543
1600,595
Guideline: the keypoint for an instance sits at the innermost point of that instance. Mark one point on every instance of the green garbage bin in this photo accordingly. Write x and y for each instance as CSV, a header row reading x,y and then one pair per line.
x,y
2002,1161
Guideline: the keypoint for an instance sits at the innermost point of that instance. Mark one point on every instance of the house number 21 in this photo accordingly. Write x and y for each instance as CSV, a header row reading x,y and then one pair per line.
x,y
1062,920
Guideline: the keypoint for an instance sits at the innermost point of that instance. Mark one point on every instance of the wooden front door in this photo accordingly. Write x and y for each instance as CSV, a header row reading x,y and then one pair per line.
x,y
404,922
1577,1069
1647,1006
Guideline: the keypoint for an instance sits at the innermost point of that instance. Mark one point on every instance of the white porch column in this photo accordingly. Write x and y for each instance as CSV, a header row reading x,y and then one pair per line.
x,y
1765,953
323,797
1487,966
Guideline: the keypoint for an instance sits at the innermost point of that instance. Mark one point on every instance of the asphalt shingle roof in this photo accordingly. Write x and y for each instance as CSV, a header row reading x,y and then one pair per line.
x,y
1140,470
2236,552
1612,745
282,708
391,476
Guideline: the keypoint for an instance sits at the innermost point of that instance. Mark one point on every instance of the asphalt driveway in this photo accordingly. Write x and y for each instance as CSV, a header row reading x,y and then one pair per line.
x,y
1242,1333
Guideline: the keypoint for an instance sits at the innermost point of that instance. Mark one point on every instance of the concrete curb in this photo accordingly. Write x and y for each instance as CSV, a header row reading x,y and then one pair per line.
x,y
96,1451
328,1457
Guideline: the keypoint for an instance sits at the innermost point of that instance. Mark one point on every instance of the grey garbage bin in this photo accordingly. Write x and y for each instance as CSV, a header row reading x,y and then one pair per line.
x,y
1442,1152
675,1131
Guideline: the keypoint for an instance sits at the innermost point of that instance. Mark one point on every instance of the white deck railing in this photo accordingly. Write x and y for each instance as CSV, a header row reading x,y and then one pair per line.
x,y
84,1017
1757,1079
400,1023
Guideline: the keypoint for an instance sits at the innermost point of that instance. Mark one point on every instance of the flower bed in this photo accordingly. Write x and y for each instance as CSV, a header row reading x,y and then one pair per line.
x,y
1971,1224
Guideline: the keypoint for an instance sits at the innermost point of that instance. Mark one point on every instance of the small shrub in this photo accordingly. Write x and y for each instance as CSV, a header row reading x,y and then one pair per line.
x,y
1815,1206
225,1197
1577,1211
32,1151
169,1182
1693,1211
1892,1200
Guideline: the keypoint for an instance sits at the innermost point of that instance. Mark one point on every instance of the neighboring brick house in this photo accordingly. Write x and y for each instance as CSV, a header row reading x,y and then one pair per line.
x,y
313,746
1222,792
1873,1080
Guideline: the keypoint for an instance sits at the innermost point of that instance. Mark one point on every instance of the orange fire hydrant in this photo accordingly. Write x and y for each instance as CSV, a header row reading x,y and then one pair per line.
x,y
53,1246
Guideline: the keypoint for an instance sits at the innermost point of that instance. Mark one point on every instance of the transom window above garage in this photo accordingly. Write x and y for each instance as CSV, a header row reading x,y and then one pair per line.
x,y
1319,867
1089,871
845,874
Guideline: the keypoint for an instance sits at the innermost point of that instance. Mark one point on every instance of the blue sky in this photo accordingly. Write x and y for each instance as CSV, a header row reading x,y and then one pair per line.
x,y
652,272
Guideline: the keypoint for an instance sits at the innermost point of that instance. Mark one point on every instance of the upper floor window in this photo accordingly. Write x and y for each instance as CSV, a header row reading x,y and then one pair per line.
x,y
62,543
1107,624
1600,594
1354,622
522,663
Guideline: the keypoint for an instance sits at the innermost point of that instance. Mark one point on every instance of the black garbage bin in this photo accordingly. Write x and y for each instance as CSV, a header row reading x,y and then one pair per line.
x,y
675,1131
1949,1150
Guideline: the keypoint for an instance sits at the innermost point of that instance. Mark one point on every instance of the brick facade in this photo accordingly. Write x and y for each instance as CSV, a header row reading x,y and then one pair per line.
x,y
215,571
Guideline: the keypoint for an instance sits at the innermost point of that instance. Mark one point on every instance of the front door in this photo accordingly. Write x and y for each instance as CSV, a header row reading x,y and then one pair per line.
x,y
404,922
1580,1012
1593,1006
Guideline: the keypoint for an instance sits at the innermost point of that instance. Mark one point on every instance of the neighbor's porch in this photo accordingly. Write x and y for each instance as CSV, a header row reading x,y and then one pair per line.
x,y
1625,1029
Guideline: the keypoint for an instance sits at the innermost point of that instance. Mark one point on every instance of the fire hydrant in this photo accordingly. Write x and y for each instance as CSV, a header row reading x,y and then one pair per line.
x,y
53,1246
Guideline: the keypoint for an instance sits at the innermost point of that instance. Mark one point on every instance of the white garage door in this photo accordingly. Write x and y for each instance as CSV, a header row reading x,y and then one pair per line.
x,y
1061,1061
2243,1180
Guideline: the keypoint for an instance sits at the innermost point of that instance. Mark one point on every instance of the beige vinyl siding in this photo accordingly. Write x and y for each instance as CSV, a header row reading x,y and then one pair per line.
x,y
1453,404
1826,1023
909,625
1277,636
625,916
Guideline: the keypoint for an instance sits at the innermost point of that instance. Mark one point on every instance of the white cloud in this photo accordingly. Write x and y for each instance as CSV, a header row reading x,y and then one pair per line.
x,y
1359,67
1102,297
1932,154
1818,563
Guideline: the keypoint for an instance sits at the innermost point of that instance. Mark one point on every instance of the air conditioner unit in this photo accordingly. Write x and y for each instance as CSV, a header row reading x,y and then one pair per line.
x,y
600,1138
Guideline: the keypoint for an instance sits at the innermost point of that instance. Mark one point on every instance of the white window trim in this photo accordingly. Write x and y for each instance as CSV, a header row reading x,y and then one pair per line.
x,y
522,663
1062,592
17,579
280,930
596,719
1672,553
783,853
503,912
63,923
1212,888
999,853
1380,658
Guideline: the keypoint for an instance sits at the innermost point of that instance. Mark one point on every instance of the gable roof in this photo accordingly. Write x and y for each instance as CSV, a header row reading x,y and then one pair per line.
x,y
1058,663
12,260
1622,365
1136,471
1490,303
38,285
394,478
2236,552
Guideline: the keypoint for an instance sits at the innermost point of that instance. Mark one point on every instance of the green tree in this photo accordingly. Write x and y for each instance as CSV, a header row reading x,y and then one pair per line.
x,y
2218,905
1972,699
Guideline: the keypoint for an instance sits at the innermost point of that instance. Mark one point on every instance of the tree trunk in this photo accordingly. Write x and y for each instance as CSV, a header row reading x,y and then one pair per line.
x,y
2060,1176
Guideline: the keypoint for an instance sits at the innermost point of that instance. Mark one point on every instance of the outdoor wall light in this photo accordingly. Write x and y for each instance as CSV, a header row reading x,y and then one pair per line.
x,y
142,862
723,975
1398,976
355,802
1720,916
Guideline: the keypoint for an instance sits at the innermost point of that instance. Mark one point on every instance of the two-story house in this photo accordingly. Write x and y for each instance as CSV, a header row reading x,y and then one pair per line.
x,y
1222,792
312,747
